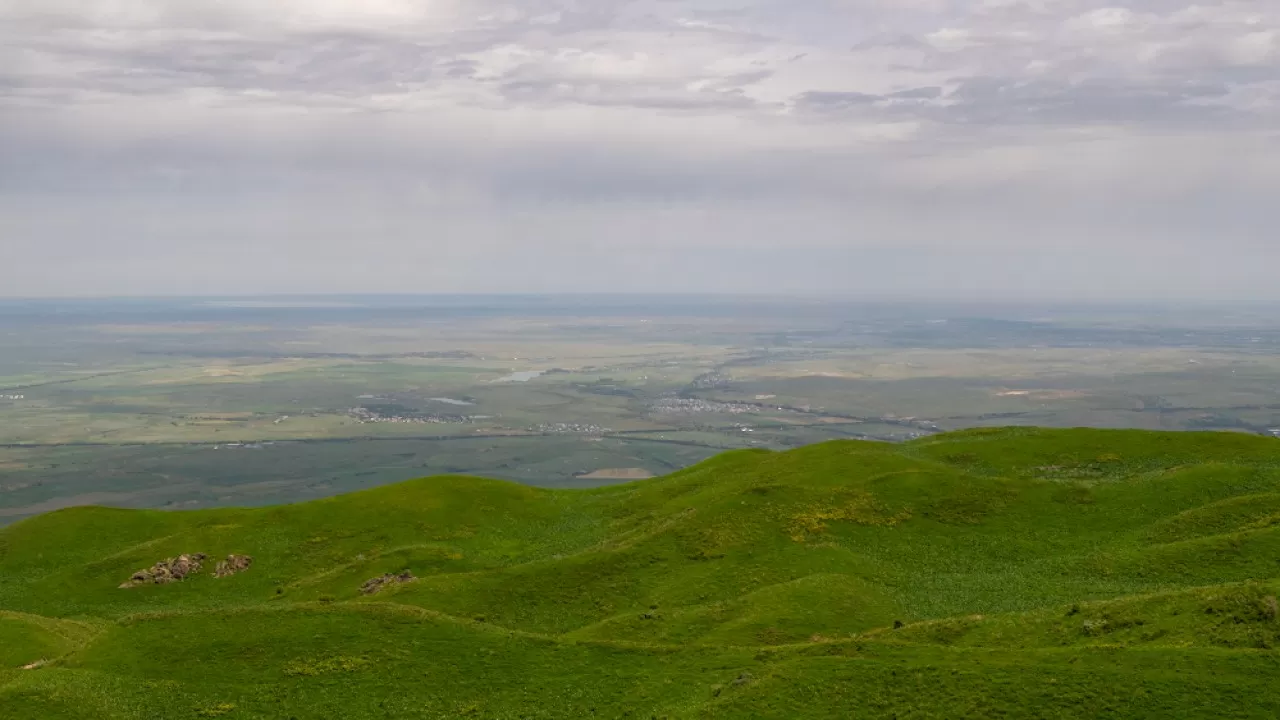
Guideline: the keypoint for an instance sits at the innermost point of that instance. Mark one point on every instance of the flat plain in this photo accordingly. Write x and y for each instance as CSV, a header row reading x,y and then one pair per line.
x,y
203,403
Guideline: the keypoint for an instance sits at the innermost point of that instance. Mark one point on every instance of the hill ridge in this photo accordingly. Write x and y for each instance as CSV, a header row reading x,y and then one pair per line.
x,y
693,593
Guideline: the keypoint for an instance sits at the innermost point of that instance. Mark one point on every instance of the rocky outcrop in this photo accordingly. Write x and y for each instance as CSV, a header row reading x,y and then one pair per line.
x,y
232,565
173,569
379,584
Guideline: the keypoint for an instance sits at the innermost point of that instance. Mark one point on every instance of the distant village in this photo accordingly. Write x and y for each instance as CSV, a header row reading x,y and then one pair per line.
x,y
370,415
687,406
560,428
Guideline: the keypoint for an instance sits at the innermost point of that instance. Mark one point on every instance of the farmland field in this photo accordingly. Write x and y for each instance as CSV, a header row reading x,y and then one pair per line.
x,y
199,403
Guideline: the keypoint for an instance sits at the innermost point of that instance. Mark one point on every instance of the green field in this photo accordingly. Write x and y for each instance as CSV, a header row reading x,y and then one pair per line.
x,y
1014,572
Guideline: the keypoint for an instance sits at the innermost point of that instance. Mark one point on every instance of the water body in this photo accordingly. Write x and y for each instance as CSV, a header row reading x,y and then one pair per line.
x,y
521,376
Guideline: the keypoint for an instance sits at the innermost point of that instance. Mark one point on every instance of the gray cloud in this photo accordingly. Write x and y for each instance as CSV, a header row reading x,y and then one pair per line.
x,y
142,135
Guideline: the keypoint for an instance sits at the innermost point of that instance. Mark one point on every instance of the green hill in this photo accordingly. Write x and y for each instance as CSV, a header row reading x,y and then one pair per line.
x,y
986,573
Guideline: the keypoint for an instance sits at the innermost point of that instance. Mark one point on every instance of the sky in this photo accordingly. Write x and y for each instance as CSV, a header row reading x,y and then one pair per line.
x,y
935,149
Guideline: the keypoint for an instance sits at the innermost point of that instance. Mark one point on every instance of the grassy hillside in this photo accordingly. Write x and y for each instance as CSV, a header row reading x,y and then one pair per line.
x,y
988,573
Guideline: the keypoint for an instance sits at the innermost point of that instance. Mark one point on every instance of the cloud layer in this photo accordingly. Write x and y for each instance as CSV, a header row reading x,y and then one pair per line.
x,y
1019,148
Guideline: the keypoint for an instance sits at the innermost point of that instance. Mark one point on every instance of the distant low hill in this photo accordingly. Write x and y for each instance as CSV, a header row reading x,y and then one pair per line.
x,y
987,573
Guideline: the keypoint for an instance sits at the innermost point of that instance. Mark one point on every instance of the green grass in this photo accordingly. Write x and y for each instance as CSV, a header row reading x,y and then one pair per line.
x,y
31,639
986,573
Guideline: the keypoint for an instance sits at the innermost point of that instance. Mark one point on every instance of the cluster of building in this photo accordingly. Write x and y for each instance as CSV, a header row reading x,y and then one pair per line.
x,y
365,415
689,406
570,428
711,381
13,397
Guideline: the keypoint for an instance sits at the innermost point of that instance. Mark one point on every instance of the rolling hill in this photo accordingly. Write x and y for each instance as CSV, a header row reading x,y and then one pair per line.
x,y
985,573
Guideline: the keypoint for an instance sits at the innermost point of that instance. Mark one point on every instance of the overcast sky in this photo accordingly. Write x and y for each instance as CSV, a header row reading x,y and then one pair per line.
x,y
911,148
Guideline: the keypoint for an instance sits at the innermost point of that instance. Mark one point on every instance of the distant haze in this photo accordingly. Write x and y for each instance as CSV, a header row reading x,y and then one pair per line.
x,y
930,149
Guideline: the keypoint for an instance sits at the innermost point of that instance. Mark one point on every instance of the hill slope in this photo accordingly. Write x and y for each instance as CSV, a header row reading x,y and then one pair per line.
x,y
1014,572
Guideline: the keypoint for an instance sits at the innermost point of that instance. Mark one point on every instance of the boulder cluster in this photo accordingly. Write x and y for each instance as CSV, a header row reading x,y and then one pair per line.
x,y
180,568
232,565
378,584
166,571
